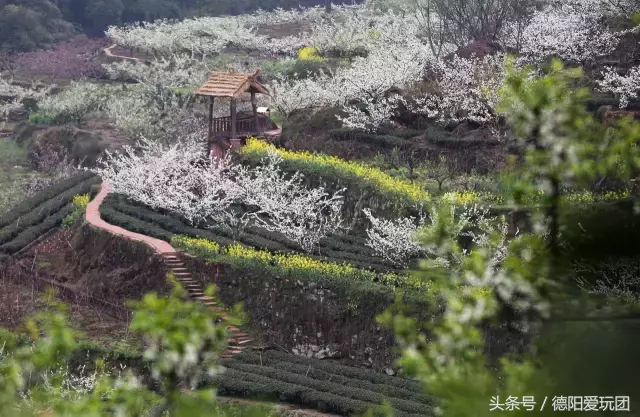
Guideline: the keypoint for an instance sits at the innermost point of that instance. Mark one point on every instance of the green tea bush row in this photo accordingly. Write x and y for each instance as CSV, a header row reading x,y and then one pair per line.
x,y
44,210
337,369
30,234
312,371
235,382
356,393
43,196
289,264
133,224
384,141
332,249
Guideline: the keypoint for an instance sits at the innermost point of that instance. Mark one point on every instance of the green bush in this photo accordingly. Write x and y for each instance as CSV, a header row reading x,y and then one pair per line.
x,y
132,224
44,118
312,372
28,205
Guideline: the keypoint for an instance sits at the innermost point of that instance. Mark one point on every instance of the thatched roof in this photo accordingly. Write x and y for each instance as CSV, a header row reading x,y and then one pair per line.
x,y
231,84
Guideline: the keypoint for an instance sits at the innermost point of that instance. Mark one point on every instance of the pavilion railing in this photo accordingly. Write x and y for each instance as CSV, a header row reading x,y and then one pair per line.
x,y
222,126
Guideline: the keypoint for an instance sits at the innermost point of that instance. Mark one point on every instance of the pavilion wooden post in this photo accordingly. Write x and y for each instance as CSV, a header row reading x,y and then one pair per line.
x,y
233,118
210,138
254,106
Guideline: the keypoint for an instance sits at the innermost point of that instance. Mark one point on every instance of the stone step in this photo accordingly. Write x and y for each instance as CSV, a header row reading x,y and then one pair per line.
x,y
233,329
239,342
226,356
179,269
234,351
206,298
239,334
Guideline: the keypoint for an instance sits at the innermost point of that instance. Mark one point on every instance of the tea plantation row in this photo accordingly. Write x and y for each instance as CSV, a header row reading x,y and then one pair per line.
x,y
42,212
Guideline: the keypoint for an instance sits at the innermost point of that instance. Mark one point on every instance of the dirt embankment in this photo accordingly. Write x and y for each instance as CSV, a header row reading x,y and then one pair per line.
x,y
90,269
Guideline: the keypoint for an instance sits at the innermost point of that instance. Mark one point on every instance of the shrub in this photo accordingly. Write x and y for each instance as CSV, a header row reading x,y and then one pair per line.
x,y
42,118
80,203
134,225
309,53
312,371
343,370
243,383
384,141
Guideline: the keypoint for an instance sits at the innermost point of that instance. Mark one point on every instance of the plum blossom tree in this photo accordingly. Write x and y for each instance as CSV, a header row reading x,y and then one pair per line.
x,y
571,31
467,90
303,215
399,240
625,87
74,103
396,241
179,179
13,95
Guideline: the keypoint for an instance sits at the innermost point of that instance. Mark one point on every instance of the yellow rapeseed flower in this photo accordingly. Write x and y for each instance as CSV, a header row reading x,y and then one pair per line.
x,y
397,187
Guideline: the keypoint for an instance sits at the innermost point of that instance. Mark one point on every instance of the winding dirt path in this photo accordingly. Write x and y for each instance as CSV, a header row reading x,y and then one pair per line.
x,y
93,217
238,340
108,52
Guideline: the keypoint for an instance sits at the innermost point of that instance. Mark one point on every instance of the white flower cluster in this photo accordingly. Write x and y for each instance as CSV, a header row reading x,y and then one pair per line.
x,y
12,96
571,31
396,241
468,89
177,179
615,278
625,87
174,71
74,103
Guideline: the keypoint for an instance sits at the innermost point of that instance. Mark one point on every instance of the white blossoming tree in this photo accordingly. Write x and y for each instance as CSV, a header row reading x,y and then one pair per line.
x,y
625,87
396,241
284,205
179,179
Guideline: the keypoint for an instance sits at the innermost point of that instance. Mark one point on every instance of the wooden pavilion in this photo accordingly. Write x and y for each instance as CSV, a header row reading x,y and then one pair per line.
x,y
227,132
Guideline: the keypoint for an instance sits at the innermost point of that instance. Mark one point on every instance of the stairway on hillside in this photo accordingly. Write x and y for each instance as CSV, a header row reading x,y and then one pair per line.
x,y
238,340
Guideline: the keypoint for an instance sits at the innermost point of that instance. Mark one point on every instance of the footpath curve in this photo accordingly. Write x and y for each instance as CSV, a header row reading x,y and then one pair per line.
x,y
107,51
173,262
